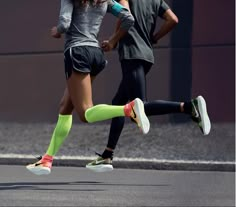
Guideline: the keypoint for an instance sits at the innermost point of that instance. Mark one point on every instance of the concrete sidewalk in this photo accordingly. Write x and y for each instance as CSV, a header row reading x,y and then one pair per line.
x,y
167,146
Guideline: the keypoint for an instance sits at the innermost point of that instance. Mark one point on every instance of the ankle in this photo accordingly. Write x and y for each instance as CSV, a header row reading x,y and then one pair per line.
x,y
109,149
182,107
107,154
47,158
128,108
187,107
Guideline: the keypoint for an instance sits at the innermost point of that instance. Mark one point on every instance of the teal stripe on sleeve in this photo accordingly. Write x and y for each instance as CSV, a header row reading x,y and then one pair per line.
x,y
116,8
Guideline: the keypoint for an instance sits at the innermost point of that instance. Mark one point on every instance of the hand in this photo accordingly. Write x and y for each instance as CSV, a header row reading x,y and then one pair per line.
x,y
107,45
55,33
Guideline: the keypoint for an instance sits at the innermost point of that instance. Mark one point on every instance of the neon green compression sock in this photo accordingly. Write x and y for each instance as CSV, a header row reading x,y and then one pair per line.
x,y
60,133
103,112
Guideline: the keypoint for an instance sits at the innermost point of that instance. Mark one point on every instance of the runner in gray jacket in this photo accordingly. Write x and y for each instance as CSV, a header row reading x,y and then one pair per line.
x,y
80,20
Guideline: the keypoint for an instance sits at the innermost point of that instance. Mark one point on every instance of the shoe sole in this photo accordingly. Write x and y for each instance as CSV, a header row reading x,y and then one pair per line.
x,y
144,123
100,168
39,171
206,124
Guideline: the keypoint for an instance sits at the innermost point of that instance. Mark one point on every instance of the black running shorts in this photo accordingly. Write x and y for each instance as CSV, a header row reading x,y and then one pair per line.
x,y
84,59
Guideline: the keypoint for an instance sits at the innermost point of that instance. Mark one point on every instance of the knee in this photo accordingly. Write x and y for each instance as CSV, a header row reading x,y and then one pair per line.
x,y
81,113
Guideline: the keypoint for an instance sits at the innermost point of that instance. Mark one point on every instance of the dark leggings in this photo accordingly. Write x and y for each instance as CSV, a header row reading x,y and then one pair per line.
x,y
133,85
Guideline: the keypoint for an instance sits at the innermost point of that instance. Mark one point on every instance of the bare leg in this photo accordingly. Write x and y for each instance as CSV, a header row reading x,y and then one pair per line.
x,y
80,90
66,106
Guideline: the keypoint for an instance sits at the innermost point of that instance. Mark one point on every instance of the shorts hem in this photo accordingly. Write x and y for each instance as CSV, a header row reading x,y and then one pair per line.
x,y
81,70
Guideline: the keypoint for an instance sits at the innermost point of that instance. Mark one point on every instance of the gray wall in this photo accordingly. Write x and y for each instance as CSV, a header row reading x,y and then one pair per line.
x,y
198,57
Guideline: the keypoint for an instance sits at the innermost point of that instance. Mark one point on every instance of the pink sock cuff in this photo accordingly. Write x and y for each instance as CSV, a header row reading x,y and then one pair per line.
x,y
128,108
47,158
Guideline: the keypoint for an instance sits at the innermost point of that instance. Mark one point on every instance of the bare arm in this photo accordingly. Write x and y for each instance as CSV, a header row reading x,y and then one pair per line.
x,y
124,3
121,30
170,20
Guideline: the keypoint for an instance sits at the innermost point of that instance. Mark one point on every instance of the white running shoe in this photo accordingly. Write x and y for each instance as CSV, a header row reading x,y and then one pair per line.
x,y
139,116
40,168
100,165
199,114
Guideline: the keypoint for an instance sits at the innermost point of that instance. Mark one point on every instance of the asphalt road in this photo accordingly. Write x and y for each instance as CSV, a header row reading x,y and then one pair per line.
x,y
73,186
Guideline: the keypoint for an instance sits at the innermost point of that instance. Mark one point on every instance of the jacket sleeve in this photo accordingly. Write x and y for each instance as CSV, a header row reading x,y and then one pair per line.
x,y
65,16
126,18
163,8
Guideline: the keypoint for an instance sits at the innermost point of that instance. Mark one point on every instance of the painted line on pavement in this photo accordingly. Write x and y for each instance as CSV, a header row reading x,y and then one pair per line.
x,y
26,156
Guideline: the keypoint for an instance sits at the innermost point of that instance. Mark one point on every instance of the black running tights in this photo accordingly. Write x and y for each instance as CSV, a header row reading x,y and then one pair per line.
x,y
133,85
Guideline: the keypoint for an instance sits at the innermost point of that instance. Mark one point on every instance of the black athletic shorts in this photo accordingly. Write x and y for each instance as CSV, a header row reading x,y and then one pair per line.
x,y
84,59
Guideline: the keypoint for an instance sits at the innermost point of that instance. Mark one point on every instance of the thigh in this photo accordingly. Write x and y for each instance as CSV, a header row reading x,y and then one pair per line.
x,y
134,78
80,90
121,96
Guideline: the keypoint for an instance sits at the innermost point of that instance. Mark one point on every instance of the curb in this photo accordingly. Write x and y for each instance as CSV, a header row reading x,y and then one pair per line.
x,y
135,164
